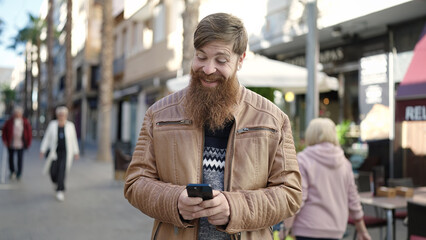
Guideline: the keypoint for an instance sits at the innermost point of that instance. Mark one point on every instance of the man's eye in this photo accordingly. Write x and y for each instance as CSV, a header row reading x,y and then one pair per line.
x,y
201,57
222,61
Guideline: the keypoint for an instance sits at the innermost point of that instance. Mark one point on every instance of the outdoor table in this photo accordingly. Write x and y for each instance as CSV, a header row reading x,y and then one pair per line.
x,y
390,204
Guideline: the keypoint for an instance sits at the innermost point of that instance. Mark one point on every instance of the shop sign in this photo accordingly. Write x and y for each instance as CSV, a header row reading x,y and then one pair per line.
x,y
415,113
410,110
373,83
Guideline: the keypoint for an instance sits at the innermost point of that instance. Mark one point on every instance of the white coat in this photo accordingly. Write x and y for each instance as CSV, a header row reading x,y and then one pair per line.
x,y
50,142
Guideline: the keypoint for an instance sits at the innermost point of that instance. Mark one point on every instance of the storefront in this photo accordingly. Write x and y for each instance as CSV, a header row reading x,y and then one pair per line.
x,y
410,117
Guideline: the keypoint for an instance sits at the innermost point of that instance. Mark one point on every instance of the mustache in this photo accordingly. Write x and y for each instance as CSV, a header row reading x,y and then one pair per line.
x,y
210,78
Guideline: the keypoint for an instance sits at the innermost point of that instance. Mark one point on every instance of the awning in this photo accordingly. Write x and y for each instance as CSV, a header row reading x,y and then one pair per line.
x,y
413,86
260,71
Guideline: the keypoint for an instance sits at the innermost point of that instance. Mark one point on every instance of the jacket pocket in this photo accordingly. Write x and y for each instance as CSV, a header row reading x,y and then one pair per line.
x,y
176,149
177,122
254,129
252,155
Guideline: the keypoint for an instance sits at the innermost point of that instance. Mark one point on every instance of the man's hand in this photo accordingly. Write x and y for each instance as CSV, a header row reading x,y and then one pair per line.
x,y
41,155
188,206
216,210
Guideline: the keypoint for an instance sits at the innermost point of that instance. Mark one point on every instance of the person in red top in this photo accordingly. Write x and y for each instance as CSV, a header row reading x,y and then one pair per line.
x,y
17,136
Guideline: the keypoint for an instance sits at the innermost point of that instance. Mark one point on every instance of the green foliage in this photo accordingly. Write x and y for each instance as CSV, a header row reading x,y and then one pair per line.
x,y
8,96
266,92
341,130
30,33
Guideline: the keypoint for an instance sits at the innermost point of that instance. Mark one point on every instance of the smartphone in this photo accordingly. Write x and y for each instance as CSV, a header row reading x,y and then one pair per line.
x,y
203,191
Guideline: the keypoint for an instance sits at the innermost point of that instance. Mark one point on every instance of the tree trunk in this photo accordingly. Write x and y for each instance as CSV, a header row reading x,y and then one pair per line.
x,y
26,80
69,68
190,21
30,94
49,111
106,85
37,122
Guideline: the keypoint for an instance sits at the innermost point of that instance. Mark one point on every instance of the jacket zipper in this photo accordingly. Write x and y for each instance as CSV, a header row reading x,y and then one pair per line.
x,y
237,236
203,139
244,130
182,122
156,231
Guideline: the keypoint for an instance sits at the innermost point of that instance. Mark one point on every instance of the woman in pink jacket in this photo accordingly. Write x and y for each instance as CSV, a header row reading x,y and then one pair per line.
x,y
330,195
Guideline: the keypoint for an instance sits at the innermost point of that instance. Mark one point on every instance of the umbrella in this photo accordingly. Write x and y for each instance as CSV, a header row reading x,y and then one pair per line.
x,y
260,71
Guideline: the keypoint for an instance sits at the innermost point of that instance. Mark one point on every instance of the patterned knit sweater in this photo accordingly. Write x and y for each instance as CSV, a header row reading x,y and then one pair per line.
x,y
213,173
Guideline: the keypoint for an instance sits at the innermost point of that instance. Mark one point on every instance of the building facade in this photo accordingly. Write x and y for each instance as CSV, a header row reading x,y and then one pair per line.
x,y
366,45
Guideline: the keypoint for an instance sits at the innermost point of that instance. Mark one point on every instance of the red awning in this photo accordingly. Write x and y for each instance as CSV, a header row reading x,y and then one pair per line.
x,y
414,83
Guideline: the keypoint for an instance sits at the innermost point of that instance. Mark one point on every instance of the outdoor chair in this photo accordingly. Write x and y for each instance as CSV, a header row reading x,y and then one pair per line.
x,y
416,220
400,182
364,183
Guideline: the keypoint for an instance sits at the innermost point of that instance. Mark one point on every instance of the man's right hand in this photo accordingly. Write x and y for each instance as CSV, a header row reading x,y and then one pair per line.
x,y
188,206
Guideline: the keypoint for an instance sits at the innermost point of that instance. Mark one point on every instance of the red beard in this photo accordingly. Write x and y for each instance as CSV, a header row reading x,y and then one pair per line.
x,y
211,107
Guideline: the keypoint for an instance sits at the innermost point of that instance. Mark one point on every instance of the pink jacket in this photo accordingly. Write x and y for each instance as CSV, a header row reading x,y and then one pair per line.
x,y
329,193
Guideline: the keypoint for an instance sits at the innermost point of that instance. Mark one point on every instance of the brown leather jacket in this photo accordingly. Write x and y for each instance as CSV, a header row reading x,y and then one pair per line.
x,y
262,178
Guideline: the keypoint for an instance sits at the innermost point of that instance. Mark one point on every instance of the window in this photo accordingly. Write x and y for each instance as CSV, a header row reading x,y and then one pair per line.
x,y
116,47
147,34
159,23
137,36
134,34
62,83
95,77
123,43
79,78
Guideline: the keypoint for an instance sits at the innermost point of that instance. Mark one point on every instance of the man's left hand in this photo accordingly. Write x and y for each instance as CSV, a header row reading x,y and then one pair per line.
x,y
216,210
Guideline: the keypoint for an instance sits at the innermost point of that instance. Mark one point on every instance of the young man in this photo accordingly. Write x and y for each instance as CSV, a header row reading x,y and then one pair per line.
x,y
17,136
215,132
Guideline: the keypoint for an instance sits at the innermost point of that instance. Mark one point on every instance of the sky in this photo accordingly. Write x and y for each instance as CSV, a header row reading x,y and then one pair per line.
x,y
14,14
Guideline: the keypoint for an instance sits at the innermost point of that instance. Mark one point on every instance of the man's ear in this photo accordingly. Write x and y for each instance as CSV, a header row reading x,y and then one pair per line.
x,y
241,59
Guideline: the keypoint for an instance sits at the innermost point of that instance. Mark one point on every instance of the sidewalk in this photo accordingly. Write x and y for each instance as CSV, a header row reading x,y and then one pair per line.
x,y
94,206
376,233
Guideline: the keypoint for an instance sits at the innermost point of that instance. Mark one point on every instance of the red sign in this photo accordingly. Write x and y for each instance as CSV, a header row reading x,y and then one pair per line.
x,y
410,110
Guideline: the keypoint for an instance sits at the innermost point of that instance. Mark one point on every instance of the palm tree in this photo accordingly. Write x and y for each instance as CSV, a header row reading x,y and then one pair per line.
x,y
50,30
190,21
31,34
68,57
21,39
106,85
8,97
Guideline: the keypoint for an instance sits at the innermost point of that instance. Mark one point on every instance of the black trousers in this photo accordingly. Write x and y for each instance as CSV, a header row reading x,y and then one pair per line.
x,y
58,169
19,152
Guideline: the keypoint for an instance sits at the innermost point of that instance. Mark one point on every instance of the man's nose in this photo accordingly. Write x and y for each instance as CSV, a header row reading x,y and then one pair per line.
x,y
209,68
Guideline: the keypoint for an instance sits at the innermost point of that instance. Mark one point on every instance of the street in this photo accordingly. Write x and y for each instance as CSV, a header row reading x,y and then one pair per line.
x,y
94,206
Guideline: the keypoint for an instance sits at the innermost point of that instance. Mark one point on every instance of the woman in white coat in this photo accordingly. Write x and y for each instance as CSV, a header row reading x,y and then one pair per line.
x,y
60,141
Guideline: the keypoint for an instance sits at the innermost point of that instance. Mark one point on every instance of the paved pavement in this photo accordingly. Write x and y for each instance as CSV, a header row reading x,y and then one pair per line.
x,y
94,206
